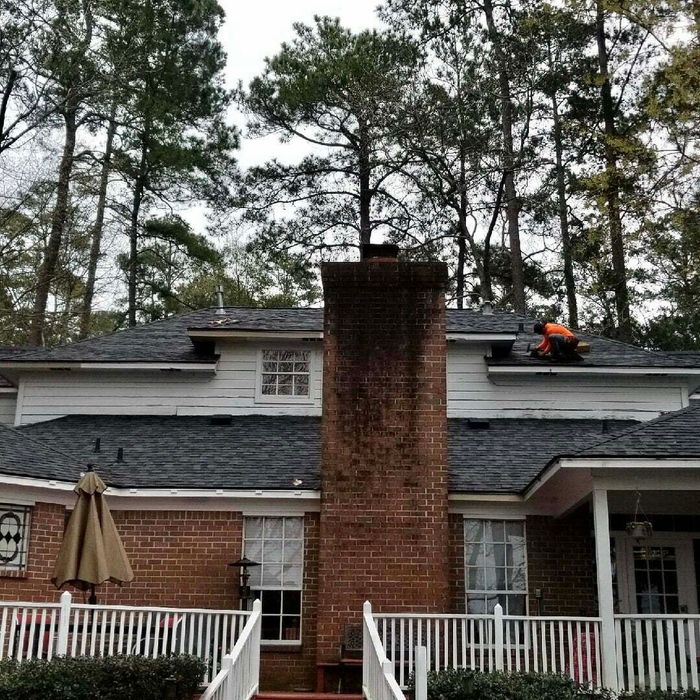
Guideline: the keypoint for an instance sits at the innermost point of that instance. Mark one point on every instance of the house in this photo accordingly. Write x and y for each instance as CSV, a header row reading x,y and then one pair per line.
x,y
383,448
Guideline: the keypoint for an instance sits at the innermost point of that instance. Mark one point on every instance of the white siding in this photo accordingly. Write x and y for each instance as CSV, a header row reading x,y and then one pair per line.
x,y
48,395
471,392
8,402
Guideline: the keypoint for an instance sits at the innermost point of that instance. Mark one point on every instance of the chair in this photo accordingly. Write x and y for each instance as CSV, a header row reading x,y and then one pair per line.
x,y
350,656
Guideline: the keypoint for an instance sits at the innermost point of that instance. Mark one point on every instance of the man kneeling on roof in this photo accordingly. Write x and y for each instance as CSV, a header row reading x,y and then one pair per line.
x,y
559,342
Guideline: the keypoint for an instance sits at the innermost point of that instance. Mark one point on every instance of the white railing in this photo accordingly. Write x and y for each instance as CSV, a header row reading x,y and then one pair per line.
x,y
44,630
378,682
657,651
239,676
566,645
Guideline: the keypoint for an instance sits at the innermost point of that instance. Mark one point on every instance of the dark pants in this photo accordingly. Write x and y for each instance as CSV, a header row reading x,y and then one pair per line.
x,y
562,346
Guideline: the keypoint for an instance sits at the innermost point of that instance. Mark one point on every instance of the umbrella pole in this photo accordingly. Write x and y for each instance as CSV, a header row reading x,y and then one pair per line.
x,y
92,600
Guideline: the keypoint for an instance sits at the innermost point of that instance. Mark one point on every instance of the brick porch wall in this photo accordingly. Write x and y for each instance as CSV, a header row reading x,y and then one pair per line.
x,y
561,563
180,557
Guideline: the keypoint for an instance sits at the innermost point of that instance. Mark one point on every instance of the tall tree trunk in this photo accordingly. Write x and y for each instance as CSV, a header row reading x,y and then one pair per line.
x,y
462,232
612,184
487,294
569,281
137,200
47,269
364,170
96,233
512,201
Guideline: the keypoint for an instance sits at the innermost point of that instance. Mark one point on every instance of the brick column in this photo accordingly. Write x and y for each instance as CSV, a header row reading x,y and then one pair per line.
x,y
383,520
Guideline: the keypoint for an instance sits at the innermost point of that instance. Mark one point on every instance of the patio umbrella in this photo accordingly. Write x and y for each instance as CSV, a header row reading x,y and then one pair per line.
x,y
92,551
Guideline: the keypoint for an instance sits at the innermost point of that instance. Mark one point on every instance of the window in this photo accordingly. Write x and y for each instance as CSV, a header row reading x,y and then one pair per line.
x,y
278,544
14,537
495,566
284,375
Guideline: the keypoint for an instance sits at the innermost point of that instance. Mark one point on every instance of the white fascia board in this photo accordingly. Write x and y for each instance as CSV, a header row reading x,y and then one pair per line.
x,y
147,366
264,335
485,497
318,335
482,337
560,369
8,389
117,492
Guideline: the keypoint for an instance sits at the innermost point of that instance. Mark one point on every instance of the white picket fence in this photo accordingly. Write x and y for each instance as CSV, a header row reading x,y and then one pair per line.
x,y
44,630
566,645
657,651
239,676
378,682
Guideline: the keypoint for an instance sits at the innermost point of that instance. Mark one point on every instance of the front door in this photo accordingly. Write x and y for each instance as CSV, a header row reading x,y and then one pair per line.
x,y
656,576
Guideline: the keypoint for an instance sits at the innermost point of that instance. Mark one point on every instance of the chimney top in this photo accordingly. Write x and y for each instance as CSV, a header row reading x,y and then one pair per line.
x,y
487,308
379,252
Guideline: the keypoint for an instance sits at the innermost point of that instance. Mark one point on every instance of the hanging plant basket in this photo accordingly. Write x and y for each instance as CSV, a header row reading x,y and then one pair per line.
x,y
639,530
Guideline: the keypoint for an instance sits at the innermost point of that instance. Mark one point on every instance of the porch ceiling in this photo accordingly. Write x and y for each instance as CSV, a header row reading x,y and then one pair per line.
x,y
668,485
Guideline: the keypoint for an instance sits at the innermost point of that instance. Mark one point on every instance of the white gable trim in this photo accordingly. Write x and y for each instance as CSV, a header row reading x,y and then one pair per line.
x,y
564,369
148,366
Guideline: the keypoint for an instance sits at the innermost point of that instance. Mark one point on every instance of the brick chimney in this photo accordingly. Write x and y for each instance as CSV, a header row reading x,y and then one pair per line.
x,y
383,521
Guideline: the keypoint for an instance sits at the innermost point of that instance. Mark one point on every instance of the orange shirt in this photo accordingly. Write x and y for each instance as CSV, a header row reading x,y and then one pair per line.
x,y
550,329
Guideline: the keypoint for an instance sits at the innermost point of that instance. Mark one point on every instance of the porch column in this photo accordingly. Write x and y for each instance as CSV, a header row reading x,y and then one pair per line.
x,y
605,590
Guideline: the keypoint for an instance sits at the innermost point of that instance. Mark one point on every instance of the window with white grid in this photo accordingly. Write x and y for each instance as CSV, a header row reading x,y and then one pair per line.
x,y
277,544
285,375
14,536
495,566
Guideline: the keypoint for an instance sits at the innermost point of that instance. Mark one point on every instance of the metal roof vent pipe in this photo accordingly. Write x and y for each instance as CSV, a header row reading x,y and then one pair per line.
x,y
487,308
220,300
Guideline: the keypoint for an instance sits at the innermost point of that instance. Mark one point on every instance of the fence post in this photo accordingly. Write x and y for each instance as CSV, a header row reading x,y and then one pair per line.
x,y
498,635
366,646
421,674
63,624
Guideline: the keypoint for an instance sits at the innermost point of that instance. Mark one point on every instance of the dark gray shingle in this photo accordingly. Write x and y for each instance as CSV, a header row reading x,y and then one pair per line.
x,y
24,455
271,452
507,455
167,340
675,434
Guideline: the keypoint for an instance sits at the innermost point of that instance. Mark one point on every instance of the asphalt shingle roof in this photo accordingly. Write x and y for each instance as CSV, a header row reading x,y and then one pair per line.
x,y
272,452
168,341
507,455
605,352
674,434
160,341
267,452
24,455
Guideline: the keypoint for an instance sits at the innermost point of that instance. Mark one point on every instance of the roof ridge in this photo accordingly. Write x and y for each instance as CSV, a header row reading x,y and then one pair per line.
x,y
636,428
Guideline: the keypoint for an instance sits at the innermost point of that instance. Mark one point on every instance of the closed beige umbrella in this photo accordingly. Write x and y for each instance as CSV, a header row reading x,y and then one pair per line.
x,y
92,551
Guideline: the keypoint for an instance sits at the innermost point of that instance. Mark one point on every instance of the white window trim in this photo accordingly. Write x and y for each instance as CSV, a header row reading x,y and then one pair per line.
x,y
294,400
497,516
284,642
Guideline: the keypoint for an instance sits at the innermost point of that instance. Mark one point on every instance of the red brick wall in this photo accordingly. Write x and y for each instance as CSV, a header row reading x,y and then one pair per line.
x,y
561,556
384,444
180,560
457,598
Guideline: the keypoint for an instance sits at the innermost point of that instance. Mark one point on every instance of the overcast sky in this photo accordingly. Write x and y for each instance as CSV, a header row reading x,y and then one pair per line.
x,y
255,29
